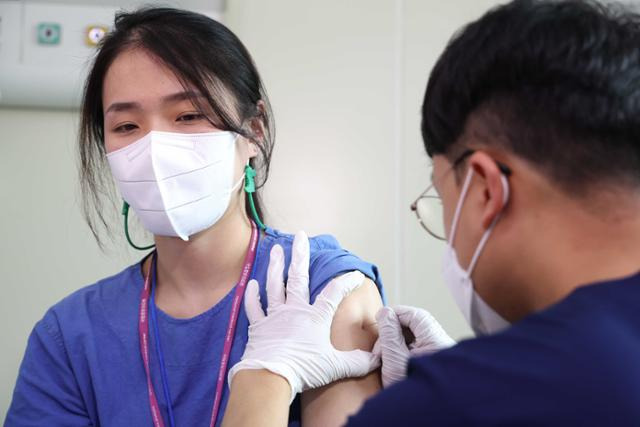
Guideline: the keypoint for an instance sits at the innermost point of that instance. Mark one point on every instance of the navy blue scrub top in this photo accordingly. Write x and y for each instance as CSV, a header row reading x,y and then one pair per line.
x,y
576,363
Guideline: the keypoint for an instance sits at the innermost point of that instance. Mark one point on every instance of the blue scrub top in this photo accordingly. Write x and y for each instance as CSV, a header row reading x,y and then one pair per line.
x,y
575,364
83,366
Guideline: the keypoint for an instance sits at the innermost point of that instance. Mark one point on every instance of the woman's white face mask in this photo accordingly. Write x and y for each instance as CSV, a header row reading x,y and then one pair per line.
x,y
480,316
178,184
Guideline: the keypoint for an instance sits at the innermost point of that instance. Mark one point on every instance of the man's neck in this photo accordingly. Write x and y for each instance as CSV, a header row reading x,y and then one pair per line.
x,y
193,276
581,250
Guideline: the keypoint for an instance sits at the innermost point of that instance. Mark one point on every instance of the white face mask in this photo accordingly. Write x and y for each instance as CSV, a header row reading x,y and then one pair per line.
x,y
178,184
480,316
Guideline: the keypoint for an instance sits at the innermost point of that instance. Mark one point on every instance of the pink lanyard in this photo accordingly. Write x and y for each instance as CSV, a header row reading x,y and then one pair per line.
x,y
143,331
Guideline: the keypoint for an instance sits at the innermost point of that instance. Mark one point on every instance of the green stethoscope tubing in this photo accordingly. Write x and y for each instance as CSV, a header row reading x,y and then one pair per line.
x,y
249,188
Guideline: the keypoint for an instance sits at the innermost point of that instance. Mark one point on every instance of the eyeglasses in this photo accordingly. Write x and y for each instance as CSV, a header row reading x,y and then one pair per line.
x,y
428,206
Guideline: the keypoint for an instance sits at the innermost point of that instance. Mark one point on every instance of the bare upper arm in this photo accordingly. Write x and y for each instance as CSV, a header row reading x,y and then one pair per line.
x,y
353,328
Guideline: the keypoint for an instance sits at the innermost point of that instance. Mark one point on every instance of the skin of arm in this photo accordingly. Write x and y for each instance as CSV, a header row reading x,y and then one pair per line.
x,y
353,328
260,397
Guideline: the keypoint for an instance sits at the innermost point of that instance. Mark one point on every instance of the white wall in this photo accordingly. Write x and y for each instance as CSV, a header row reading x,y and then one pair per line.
x,y
330,73
427,27
346,80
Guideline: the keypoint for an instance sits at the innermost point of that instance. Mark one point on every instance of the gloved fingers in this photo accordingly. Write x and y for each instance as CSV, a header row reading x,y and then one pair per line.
x,y
393,348
359,363
252,305
413,318
298,280
390,329
275,282
428,332
337,290
394,368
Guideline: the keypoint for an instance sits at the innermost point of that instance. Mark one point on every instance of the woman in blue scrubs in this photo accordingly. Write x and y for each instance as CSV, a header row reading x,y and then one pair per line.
x,y
175,108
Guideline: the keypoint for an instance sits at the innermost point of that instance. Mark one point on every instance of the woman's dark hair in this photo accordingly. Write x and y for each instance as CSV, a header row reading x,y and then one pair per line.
x,y
554,82
205,56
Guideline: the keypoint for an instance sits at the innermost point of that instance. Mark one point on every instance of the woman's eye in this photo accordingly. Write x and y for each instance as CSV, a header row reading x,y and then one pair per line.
x,y
125,127
190,117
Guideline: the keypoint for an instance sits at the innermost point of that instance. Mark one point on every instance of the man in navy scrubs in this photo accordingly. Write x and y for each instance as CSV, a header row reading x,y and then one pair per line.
x,y
532,119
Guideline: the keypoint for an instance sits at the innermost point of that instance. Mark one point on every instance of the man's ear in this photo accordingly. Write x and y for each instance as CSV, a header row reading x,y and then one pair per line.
x,y
491,178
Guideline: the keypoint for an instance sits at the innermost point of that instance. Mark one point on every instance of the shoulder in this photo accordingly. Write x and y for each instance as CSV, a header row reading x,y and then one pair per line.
x,y
316,243
64,344
553,362
328,259
107,302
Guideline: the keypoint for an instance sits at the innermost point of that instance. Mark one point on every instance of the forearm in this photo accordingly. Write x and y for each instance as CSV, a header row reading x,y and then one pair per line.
x,y
331,405
258,397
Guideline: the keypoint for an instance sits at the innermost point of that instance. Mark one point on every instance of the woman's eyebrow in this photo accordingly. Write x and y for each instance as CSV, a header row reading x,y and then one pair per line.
x,y
174,97
181,96
122,106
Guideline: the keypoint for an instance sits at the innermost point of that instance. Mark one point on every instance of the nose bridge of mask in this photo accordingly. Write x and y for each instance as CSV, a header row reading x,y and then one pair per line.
x,y
183,153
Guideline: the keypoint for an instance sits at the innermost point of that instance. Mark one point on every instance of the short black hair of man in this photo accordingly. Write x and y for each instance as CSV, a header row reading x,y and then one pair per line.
x,y
554,82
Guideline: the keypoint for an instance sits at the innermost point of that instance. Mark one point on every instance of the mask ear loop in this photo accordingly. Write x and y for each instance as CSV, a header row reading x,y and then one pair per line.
x,y
250,188
456,215
125,213
485,237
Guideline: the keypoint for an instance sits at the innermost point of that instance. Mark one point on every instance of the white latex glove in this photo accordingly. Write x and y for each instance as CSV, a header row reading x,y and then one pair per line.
x,y
293,339
391,345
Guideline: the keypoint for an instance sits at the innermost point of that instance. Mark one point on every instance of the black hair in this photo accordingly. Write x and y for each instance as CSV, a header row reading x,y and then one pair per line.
x,y
554,82
205,56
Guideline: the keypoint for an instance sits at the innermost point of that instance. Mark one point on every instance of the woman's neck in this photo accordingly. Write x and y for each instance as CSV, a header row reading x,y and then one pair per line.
x,y
193,276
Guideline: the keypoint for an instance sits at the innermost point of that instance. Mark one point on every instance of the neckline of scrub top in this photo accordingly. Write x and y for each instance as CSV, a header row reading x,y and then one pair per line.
x,y
211,311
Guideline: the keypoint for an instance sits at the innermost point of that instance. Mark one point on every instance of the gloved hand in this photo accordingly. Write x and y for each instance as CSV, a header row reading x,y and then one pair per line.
x,y
293,339
392,347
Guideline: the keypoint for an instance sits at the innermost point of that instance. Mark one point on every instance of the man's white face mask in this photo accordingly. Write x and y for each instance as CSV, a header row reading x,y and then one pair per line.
x,y
480,316
178,184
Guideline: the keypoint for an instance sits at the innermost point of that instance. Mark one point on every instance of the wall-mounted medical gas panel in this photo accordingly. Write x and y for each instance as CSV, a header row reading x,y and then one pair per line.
x,y
46,50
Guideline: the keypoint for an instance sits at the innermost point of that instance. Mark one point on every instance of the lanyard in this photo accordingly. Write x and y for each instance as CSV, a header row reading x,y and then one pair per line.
x,y
143,331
